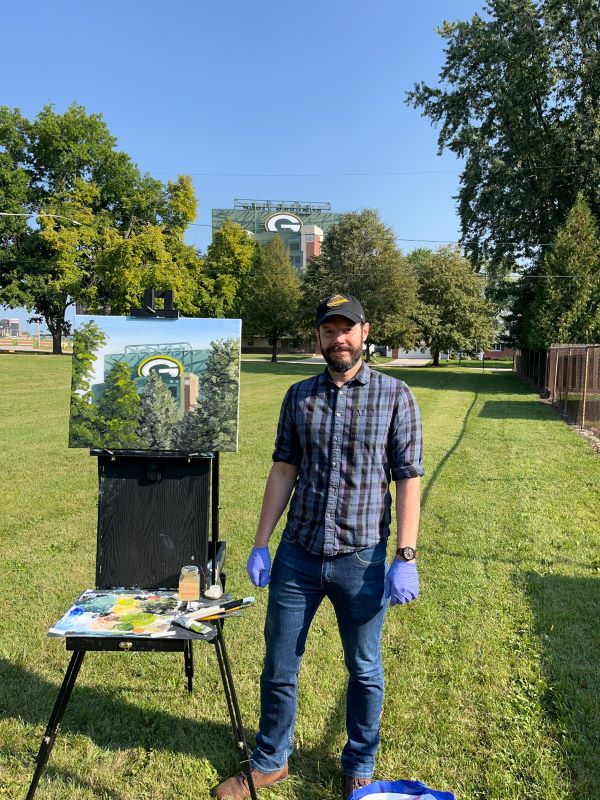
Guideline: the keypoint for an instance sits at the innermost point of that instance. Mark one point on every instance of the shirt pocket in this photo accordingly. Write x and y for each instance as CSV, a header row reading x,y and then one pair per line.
x,y
367,428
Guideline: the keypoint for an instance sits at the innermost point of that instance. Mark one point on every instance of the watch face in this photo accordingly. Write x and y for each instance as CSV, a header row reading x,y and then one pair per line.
x,y
408,553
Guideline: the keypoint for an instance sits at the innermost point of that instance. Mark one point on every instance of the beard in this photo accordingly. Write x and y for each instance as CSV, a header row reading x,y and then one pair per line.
x,y
341,359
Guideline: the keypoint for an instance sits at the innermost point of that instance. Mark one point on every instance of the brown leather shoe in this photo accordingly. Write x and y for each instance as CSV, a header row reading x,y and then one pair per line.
x,y
351,784
236,787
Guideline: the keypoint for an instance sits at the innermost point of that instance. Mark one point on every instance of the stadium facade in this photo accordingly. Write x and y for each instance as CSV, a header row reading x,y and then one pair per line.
x,y
301,225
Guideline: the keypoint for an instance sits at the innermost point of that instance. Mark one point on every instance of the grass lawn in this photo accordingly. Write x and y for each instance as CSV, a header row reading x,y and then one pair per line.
x,y
492,675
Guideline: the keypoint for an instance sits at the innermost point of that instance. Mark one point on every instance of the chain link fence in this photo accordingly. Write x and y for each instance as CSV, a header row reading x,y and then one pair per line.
x,y
569,376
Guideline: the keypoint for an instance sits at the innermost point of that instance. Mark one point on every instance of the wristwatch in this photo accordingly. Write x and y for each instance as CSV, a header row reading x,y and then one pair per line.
x,y
406,553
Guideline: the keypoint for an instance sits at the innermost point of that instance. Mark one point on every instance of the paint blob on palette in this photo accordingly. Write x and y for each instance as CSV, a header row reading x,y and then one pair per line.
x,y
119,613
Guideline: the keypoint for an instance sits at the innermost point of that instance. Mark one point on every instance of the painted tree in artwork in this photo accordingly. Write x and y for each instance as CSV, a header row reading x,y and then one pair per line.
x,y
119,410
88,339
213,424
158,414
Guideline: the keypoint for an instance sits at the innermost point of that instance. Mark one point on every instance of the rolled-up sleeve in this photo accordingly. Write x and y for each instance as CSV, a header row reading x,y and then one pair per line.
x,y
287,444
405,446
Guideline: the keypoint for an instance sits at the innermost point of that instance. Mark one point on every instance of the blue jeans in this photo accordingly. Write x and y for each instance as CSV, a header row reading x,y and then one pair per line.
x,y
299,581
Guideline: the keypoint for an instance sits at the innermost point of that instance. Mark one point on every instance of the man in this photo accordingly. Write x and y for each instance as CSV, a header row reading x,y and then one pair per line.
x,y
342,436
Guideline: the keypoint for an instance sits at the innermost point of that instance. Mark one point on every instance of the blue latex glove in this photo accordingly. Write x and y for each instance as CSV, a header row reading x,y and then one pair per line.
x,y
401,582
259,566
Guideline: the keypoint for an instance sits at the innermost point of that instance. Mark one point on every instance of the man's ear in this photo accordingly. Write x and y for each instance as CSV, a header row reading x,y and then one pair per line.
x,y
365,331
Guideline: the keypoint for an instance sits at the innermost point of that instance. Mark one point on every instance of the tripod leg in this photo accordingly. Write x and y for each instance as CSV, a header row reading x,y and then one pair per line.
x,y
234,708
188,660
55,718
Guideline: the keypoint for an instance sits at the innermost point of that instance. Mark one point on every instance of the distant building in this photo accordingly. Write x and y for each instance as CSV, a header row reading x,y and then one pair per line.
x,y
10,327
301,225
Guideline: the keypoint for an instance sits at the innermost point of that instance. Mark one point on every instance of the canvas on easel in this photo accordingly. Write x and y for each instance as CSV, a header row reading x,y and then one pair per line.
x,y
158,384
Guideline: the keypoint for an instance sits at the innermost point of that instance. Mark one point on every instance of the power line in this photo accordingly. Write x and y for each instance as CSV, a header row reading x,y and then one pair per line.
x,y
37,214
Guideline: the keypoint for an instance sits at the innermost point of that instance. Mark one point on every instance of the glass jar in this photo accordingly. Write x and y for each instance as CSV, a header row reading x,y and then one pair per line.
x,y
189,583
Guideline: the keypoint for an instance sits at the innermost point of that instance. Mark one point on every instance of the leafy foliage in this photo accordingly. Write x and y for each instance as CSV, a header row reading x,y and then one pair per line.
x,y
130,231
452,313
213,424
519,100
119,410
564,309
158,414
359,256
270,306
84,416
229,259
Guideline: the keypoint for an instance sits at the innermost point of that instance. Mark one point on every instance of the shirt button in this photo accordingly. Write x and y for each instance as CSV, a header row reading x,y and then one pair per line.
x,y
333,463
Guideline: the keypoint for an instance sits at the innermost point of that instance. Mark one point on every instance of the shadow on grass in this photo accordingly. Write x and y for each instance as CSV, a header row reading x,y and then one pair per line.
x,y
515,409
115,724
567,611
442,462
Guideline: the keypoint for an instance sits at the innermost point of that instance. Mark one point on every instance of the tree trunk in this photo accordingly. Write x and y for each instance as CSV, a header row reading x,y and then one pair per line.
x,y
368,353
274,351
436,358
56,342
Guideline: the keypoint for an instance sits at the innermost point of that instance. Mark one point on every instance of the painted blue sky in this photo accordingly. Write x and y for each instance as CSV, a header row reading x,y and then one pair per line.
x,y
123,331
265,100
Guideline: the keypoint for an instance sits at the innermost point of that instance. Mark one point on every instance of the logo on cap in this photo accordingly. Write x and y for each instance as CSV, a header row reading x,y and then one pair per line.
x,y
337,300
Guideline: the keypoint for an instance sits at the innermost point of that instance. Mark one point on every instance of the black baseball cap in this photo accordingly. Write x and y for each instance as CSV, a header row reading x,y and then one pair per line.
x,y
343,305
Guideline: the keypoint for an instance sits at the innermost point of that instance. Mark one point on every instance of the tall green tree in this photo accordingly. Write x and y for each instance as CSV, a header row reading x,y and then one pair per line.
x,y
228,261
83,418
565,306
270,307
119,410
91,203
359,256
158,414
452,312
213,424
518,99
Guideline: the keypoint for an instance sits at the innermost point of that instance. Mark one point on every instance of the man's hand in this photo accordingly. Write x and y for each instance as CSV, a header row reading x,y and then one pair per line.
x,y
401,582
259,566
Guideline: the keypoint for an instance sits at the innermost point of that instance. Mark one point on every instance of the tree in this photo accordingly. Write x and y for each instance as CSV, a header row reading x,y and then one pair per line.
x,y
271,305
452,313
91,204
519,100
565,304
359,256
228,261
119,410
213,424
83,418
158,414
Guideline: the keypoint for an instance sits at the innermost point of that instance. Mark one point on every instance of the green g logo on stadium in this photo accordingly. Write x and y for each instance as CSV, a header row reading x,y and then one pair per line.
x,y
283,222
164,365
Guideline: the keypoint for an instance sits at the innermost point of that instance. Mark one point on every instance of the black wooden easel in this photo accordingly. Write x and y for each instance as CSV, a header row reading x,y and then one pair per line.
x,y
153,517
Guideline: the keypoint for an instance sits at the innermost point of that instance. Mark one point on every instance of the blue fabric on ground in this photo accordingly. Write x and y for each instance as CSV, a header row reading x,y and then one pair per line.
x,y
399,790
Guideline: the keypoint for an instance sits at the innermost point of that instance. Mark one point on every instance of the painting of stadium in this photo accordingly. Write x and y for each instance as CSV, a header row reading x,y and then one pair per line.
x,y
155,384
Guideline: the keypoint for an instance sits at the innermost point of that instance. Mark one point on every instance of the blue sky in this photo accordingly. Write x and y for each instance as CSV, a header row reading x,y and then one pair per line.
x,y
260,100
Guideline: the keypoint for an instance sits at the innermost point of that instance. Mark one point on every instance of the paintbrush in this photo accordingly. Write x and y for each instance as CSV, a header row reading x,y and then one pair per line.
x,y
216,610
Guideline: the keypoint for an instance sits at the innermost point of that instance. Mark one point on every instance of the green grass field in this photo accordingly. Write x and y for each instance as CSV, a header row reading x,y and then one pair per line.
x,y
492,675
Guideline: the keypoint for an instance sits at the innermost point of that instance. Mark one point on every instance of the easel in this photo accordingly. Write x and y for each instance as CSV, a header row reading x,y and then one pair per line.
x,y
134,486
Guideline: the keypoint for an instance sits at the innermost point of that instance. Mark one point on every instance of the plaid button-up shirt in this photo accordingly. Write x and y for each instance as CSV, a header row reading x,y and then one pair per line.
x,y
347,442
